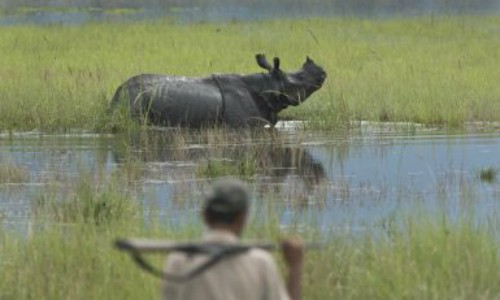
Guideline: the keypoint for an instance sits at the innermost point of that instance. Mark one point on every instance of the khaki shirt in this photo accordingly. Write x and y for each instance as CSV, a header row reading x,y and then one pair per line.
x,y
250,275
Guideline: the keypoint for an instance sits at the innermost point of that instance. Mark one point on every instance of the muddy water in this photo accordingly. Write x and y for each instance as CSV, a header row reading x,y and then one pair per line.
x,y
349,181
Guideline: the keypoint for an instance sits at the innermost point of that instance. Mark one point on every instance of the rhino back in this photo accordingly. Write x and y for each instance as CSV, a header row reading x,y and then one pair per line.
x,y
174,101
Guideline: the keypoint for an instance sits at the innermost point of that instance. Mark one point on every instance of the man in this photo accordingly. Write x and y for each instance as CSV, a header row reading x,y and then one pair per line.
x,y
249,275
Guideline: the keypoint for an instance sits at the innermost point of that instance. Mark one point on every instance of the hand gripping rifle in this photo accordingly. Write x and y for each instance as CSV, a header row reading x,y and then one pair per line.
x,y
215,252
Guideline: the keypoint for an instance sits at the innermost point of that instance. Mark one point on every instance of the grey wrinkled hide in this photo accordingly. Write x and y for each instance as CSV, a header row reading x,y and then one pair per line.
x,y
225,99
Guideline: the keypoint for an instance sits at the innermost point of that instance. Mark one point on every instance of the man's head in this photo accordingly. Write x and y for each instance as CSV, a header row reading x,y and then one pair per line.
x,y
227,205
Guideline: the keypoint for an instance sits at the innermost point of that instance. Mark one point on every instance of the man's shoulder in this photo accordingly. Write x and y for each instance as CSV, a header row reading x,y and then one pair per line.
x,y
255,257
261,256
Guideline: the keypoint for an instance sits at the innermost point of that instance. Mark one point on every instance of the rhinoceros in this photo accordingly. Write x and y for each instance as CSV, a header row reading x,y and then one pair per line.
x,y
219,99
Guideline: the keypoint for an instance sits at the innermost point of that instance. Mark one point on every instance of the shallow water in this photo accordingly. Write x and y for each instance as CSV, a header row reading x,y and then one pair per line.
x,y
71,12
352,182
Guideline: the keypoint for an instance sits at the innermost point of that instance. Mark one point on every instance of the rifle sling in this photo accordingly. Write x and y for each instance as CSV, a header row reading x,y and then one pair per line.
x,y
216,254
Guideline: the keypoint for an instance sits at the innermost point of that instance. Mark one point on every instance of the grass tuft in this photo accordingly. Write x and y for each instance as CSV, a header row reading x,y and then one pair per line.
x,y
488,175
13,173
245,167
87,201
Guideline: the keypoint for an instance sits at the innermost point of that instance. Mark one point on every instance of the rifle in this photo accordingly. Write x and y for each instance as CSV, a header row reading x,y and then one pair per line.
x,y
215,252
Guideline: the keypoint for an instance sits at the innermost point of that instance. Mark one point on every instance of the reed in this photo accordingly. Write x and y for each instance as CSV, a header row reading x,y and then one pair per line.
x,y
86,201
13,173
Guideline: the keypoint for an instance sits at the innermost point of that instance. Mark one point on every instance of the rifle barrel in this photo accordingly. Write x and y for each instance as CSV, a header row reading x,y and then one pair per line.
x,y
149,245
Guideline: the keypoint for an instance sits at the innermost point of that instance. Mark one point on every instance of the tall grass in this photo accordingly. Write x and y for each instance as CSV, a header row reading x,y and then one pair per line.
x,y
434,70
86,201
423,260
13,173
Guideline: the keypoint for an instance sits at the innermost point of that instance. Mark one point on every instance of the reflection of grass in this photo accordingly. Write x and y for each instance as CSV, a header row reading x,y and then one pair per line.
x,y
11,173
433,70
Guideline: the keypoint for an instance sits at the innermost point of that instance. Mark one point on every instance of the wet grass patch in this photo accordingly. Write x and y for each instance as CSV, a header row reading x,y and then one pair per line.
x,y
13,173
86,201
244,168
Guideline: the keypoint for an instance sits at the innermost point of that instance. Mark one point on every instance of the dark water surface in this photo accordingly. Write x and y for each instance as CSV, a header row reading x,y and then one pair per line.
x,y
341,182
70,12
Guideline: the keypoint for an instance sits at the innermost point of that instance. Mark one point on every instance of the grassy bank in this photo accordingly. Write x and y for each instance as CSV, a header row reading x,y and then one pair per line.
x,y
434,70
68,253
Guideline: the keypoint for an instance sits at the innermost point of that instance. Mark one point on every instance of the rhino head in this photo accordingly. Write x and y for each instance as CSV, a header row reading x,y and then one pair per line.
x,y
291,88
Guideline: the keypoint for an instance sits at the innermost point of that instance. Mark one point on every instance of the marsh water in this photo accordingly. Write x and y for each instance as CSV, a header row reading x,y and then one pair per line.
x,y
366,178
71,12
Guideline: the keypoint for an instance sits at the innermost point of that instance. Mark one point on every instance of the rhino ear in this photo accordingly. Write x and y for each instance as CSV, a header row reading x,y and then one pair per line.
x,y
276,62
309,60
262,61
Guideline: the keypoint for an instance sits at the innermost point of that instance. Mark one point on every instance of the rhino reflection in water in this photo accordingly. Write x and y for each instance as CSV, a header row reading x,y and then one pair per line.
x,y
224,99
269,159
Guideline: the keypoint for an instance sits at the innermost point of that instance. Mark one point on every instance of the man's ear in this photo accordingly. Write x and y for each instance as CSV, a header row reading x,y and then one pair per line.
x,y
204,216
240,222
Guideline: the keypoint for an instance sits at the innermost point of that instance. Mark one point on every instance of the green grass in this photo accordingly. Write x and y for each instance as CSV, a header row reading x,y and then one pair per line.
x,y
245,167
13,173
434,70
86,202
425,260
